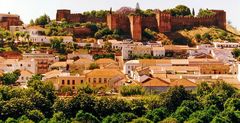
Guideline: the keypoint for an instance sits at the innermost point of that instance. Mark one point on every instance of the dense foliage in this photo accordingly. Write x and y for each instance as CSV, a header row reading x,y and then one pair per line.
x,y
94,13
180,10
38,103
205,12
42,20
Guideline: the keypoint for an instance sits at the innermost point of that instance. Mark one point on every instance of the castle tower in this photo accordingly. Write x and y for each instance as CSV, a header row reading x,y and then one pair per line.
x,y
112,21
221,18
164,21
64,13
136,27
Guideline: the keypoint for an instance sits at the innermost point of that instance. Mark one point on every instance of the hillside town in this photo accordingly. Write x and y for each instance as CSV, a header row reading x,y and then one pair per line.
x,y
127,52
110,63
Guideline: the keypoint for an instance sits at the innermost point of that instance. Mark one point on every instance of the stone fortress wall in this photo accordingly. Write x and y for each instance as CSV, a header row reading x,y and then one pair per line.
x,y
135,24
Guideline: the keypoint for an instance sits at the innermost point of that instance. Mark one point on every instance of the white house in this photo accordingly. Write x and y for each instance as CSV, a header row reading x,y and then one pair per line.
x,y
35,30
226,45
11,65
24,77
46,39
158,51
130,66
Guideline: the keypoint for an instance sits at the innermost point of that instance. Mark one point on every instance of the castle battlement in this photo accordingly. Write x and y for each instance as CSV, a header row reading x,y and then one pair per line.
x,y
161,21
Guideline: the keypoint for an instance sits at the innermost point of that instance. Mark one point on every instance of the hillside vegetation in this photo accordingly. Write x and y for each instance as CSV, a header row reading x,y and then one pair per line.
x,y
200,35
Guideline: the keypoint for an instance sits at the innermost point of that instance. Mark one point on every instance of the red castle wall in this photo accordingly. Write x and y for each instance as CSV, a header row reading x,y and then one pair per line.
x,y
162,22
10,21
77,17
149,22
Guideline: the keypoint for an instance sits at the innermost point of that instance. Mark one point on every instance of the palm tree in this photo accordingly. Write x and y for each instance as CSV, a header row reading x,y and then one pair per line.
x,y
17,34
22,34
27,36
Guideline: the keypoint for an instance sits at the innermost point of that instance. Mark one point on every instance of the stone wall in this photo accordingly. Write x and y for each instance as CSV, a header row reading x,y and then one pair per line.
x,y
162,22
77,17
10,21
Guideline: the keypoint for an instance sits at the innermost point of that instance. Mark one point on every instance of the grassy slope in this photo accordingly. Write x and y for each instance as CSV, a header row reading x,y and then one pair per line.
x,y
189,34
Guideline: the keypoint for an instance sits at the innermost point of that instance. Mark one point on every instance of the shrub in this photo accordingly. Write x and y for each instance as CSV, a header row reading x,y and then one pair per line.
x,y
131,90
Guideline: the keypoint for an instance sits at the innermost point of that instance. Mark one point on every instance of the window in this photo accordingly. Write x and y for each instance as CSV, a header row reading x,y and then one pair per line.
x,y
94,80
105,80
89,80
21,65
73,82
68,82
63,82
100,80
81,81
22,78
73,87
26,78
29,65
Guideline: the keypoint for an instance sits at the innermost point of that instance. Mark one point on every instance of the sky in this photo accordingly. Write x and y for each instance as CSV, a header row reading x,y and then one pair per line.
x,y
31,9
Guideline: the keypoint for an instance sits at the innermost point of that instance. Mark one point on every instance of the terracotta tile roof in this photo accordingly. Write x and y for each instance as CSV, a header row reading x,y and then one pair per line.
x,y
2,59
179,61
26,73
83,61
183,82
35,27
155,82
191,61
53,73
176,68
111,66
142,48
10,61
158,48
104,73
59,64
163,61
105,61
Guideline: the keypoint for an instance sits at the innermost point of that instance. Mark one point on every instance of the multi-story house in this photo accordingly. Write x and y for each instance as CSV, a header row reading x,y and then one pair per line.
x,y
44,60
11,65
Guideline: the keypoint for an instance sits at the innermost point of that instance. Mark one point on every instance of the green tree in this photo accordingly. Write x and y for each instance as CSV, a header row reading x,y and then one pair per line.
x,y
107,46
169,120
138,107
119,118
131,90
157,114
35,115
175,96
93,66
58,117
10,78
15,107
43,20
236,52
205,12
205,115
31,22
141,120
106,106
86,117
180,10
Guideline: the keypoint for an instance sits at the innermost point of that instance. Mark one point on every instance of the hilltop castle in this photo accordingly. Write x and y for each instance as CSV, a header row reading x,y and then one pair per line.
x,y
7,20
135,24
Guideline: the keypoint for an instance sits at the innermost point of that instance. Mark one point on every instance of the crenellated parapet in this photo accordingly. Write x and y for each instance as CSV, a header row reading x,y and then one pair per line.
x,y
162,21
77,17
